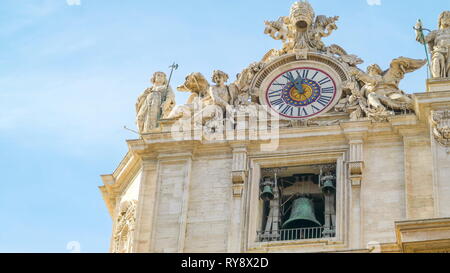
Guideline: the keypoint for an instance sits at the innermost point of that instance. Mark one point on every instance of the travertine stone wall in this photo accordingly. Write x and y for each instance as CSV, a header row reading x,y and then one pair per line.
x,y
209,205
146,206
169,206
382,191
441,173
419,178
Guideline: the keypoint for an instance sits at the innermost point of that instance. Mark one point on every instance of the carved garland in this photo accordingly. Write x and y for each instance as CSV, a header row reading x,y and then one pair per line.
x,y
125,225
440,121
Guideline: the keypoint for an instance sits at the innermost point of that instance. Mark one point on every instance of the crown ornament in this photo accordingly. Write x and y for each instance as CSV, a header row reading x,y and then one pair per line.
x,y
302,14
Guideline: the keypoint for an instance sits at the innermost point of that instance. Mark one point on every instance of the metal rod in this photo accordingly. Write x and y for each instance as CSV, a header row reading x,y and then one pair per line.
x,y
420,29
173,67
128,129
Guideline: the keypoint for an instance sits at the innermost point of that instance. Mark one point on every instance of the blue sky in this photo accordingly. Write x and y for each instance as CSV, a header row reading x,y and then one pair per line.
x,y
70,76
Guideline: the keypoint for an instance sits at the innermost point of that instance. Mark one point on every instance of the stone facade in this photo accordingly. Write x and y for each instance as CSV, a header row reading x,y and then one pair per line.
x,y
194,180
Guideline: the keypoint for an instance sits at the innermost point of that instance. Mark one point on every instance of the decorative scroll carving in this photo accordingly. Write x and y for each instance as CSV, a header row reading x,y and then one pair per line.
x,y
440,121
125,226
240,168
439,44
301,32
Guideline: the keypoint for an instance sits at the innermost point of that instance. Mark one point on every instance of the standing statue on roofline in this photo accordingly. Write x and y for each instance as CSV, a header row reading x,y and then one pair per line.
x,y
154,104
438,42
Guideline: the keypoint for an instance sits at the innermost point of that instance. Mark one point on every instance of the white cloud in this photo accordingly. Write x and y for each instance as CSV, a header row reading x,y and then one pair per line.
x,y
374,2
73,2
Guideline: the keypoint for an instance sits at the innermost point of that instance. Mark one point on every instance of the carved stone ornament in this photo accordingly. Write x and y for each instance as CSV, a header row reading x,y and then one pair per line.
x,y
375,94
440,121
301,31
439,43
124,229
323,86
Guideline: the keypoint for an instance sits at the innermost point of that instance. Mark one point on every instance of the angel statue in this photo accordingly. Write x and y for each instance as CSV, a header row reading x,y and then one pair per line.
x,y
439,43
155,103
381,88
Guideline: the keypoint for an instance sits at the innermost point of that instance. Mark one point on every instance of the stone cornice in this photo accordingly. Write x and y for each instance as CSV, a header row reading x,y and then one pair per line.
x,y
115,183
161,143
430,235
425,102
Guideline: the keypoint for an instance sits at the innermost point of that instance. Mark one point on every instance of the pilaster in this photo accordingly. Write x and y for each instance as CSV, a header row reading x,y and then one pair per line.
x,y
146,206
432,108
173,179
356,133
239,180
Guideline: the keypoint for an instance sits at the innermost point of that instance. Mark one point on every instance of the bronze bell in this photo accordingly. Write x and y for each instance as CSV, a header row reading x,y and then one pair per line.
x,y
302,215
328,186
267,193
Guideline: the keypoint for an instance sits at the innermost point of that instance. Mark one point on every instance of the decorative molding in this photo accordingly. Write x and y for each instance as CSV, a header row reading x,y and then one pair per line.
x,y
440,122
124,227
355,163
239,171
424,236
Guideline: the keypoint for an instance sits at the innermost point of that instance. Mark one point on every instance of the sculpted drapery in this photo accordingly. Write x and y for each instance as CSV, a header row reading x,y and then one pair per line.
x,y
155,103
439,43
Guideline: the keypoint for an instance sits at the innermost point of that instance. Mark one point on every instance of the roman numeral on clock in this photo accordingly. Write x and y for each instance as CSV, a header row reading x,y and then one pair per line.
x,y
274,94
328,90
288,109
315,109
324,81
277,102
324,100
305,74
302,112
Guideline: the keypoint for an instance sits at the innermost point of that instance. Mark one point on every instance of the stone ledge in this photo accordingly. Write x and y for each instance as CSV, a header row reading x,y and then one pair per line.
x,y
438,85
424,236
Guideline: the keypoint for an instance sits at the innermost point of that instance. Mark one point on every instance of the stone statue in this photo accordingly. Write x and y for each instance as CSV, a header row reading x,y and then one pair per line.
x,y
197,85
245,78
155,103
439,44
207,104
381,88
355,103
343,56
221,94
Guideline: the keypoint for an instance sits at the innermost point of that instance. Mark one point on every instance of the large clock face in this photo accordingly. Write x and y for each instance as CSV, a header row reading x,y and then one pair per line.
x,y
301,93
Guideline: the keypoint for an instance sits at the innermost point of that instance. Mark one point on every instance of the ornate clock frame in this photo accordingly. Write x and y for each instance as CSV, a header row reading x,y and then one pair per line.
x,y
336,70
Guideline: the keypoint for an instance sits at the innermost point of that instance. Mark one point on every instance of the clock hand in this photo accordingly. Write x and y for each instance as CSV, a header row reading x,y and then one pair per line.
x,y
298,84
